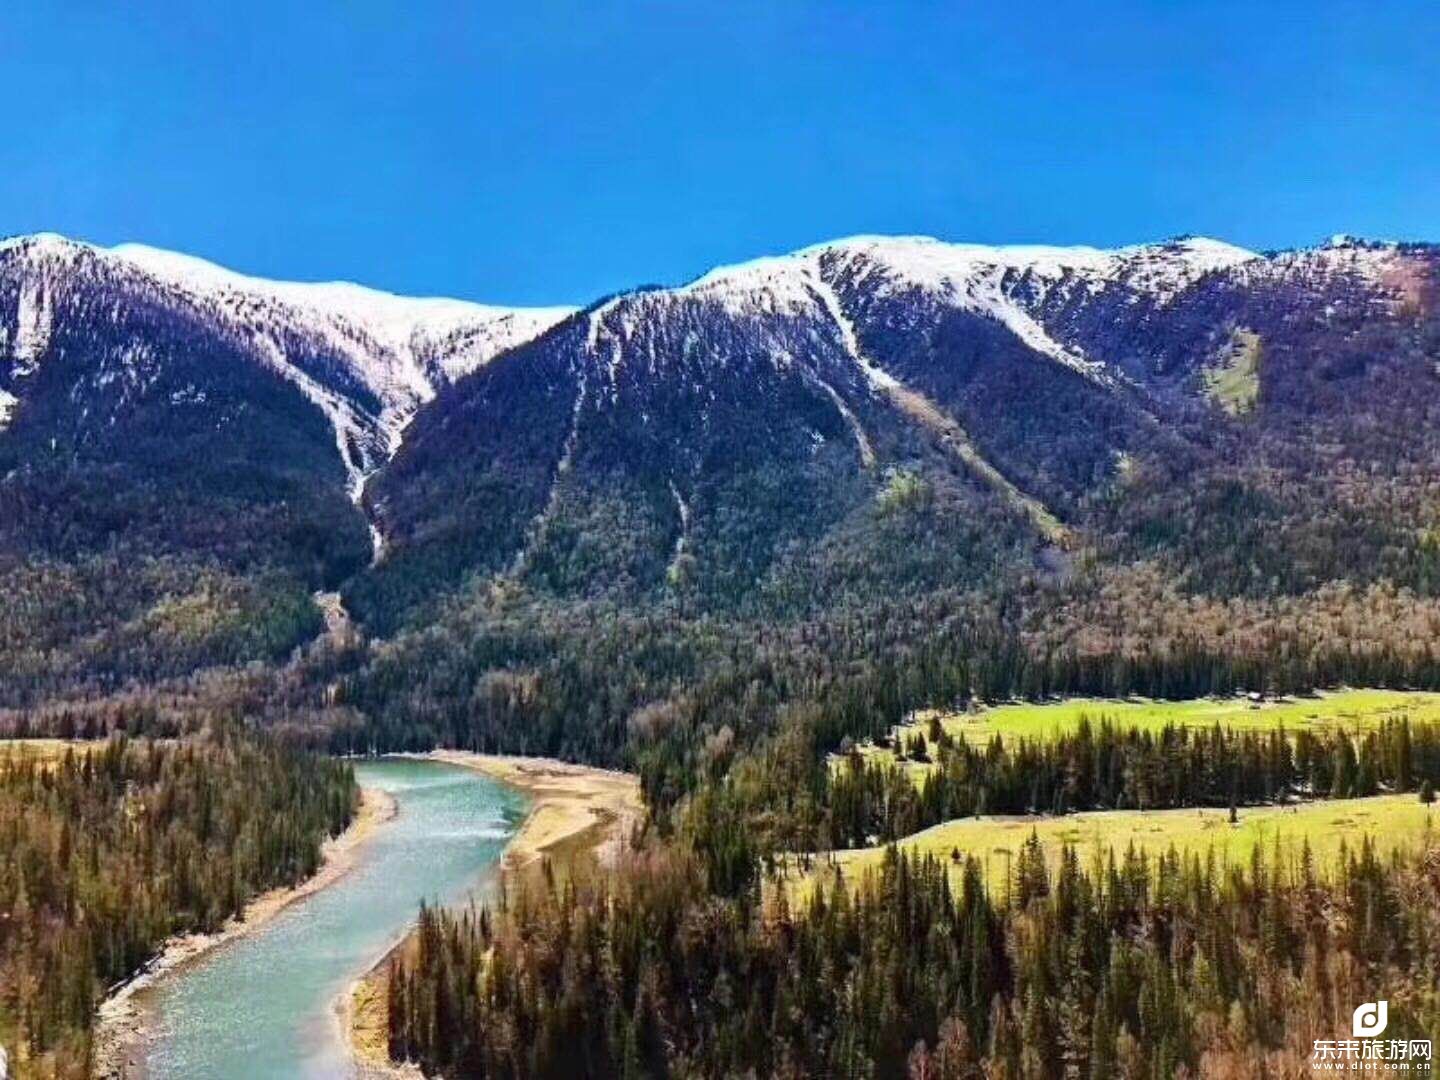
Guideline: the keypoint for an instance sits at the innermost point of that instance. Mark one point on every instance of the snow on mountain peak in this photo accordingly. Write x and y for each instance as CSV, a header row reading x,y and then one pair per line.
x,y
1161,268
401,349
923,261
392,320
924,258
1009,283
766,284
1207,253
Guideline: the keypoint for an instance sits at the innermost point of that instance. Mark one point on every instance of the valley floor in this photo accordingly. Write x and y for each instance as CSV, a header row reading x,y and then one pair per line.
x,y
1327,826
1348,710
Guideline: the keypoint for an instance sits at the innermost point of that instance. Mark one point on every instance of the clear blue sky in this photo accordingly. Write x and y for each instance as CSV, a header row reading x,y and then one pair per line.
x,y
545,152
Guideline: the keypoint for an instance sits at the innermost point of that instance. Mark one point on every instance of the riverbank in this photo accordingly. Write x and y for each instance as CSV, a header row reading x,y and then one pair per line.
x,y
580,818
577,813
122,1025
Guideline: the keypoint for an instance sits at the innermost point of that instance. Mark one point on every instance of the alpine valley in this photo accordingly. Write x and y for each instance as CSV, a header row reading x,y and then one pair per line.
x,y
866,476
808,545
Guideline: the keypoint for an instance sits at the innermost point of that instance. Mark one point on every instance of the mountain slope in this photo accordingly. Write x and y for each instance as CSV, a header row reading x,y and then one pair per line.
x,y
366,359
986,363
181,449
873,471
829,460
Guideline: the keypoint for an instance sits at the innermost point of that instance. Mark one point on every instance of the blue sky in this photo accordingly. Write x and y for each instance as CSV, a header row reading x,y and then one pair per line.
x,y
546,152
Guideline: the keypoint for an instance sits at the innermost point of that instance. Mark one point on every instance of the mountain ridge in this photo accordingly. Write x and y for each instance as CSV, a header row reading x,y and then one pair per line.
x,y
857,430
398,349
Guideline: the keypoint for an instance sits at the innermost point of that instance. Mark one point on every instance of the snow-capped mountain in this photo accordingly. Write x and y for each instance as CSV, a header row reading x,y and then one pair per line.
x,y
1012,285
367,359
1034,373
1033,369
789,437
1069,304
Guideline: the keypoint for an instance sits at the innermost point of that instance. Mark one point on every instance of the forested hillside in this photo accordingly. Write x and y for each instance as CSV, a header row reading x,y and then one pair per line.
x,y
181,449
887,473
1131,967
168,503
817,490
874,474
110,849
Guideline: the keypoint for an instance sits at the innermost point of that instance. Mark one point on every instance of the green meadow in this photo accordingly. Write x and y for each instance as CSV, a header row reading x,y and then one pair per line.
x,y
1393,822
45,751
1234,383
1354,710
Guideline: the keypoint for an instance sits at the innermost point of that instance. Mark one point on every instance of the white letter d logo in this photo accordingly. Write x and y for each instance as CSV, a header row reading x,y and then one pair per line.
x,y
1370,1019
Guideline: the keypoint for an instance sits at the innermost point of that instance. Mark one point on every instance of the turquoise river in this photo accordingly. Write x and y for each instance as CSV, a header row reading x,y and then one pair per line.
x,y
265,1005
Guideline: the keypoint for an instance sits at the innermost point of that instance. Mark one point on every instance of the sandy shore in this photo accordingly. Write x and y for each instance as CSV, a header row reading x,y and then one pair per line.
x,y
576,810
578,815
120,1032
363,1014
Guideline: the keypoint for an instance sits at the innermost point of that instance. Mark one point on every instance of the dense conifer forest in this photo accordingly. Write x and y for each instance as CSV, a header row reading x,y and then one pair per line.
x,y
1107,768
1130,967
109,849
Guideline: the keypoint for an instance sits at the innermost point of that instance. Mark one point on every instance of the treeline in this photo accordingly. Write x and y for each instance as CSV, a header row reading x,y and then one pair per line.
x,y
109,850
649,691
1132,967
1291,551
1107,767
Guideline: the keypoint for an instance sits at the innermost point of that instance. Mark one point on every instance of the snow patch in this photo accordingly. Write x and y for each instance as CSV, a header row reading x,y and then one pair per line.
x,y
595,331
9,403
768,286
867,451
878,378
987,298
541,524
975,287
684,510
1381,266
33,325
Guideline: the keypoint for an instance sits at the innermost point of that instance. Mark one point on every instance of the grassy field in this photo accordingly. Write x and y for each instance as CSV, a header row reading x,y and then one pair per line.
x,y
1355,710
43,749
1393,821
1234,382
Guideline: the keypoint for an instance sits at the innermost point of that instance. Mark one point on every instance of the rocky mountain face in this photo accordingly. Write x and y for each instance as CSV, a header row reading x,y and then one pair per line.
x,y
367,360
812,439
1029,377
